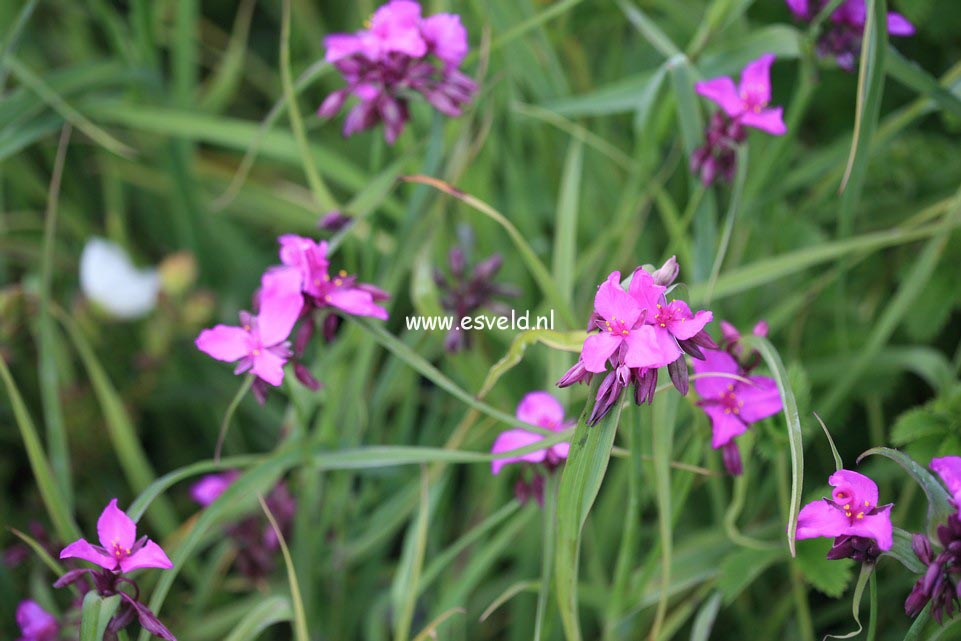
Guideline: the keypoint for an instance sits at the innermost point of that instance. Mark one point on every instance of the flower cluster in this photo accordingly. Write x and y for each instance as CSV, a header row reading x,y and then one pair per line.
x,y
119,552
940,585
742,105
301,287
466,290
255,540
543,410
400,54
638,332
841,37
860,527
736,399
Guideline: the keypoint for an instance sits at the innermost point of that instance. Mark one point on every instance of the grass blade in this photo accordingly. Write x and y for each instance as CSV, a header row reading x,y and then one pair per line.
x,y
793,420
300,617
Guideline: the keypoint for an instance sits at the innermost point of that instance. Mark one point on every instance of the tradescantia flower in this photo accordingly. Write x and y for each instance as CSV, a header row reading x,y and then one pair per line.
x,y
308,260
259,344
36,624
541,409
638,332
742,105
401,53
940,585
119,549
119,552
860,527
842,35
732,404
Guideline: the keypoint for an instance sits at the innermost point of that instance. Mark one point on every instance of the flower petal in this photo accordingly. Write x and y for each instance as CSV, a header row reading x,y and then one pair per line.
x,y
281,302
149,556
876,526
269,366
541,409
355,301
446,37
725,425
820,518
645,290
949,469
115,528
769,120
397,25
224,342
512,440
723,92
342,45
898,25
647,347
715,361
597,349
799,8
684,324
80,549
35,623
755,87
614,304
852,486
561,450
761,398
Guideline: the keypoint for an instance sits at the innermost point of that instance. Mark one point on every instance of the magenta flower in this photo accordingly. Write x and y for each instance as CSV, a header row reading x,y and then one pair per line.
x,y
543,410
308,260
673,324
949,469
747,103
620,318
731,404
119,549
36,624
260,344
209,488
639,332
861,528
400,54
841,37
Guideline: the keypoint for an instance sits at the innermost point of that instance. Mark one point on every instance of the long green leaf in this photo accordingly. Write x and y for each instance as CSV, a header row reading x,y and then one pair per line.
x,y
581,480
793,422
46,482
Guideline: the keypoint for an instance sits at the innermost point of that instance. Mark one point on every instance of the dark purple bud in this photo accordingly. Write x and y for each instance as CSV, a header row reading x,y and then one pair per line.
x,y
150,623
667,273
260,388
691,348
922,548
537,489
732,459
304,333
703,339
915,601
331,325
375,292
334,221
332,104
306,378
488,268
522,491
456,340
576,374
73,576
679,375
645,384
931,577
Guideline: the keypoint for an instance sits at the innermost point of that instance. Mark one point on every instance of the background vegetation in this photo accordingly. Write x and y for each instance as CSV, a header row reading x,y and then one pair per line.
x,y
182,147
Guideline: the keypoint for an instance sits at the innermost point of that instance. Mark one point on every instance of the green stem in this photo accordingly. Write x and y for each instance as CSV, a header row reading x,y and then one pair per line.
x,y
547,553
228,416
323,196
873,621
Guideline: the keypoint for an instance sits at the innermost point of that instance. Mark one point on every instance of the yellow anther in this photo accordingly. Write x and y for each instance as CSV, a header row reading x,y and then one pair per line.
x,y
847,507
860,515
342,273
847,514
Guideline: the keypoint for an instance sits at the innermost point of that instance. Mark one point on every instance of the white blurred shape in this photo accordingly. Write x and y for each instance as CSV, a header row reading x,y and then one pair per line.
x,y
110,280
